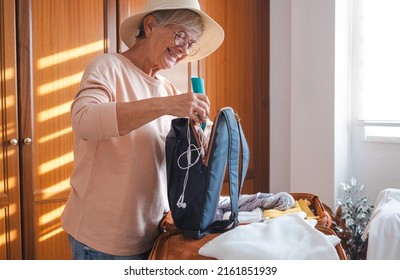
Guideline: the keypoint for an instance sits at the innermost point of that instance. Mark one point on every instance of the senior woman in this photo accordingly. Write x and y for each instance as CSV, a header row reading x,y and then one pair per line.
x,y
121,115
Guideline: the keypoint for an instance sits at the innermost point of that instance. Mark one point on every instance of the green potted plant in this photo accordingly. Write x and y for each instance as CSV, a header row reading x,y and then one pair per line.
x,y
352,216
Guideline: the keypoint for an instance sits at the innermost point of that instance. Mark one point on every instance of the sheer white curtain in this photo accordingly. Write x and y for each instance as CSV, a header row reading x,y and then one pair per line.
x,y
375,53
375,94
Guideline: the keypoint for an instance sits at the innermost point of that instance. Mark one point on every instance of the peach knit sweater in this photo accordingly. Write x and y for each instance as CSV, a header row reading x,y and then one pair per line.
x,y
118,193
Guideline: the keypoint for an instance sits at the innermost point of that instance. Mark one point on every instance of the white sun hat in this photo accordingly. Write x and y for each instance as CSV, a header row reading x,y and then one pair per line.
x,y
212,37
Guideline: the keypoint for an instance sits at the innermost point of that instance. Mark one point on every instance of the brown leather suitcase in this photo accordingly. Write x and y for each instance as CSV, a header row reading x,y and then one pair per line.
x,y
172,245
316,207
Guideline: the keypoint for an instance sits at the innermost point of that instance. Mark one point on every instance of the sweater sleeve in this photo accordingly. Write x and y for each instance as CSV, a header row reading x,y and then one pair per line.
x,y
93,110
92,120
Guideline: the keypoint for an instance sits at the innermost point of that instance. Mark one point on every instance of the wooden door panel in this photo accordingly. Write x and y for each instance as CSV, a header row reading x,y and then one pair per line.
x,y
64,36
71,34
52,239
3,239
229,70
232,78
57,38
10,218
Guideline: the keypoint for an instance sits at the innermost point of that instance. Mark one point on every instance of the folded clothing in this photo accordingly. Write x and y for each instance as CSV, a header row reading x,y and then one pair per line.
x,y
272,213
249,202
288,237
301,205
246,216
305,206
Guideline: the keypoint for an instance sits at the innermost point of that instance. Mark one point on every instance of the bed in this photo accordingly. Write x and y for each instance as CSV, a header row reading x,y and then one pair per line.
x,y
382,231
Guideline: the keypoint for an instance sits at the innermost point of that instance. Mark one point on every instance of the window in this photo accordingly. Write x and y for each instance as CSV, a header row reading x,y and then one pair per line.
x,y
376,68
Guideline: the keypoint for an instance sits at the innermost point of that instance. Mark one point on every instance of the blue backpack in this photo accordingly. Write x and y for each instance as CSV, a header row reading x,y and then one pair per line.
x,y
195,182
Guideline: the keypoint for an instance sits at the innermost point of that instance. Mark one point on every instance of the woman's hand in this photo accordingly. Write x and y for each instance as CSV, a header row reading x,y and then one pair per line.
x,y
132,115
192,105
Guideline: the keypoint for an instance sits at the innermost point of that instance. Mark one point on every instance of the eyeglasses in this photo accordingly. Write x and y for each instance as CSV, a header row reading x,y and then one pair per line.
x,y
181,39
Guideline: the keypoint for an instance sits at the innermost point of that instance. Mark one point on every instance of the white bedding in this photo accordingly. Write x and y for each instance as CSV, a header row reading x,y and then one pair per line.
x,y
288,237
383,230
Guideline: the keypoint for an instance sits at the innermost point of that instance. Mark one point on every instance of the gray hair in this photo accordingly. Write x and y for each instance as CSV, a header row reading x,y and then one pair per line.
x,y
186,19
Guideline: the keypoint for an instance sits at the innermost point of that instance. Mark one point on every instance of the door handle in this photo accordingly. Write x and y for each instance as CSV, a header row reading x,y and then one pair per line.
x,y
13,142
27,141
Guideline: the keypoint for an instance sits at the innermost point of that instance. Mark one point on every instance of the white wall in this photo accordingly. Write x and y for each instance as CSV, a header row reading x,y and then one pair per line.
x,y
304,126
343,151
376,164
314,144
280,95
313,93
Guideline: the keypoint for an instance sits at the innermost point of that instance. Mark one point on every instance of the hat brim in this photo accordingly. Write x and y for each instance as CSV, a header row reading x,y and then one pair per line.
x,y
210,41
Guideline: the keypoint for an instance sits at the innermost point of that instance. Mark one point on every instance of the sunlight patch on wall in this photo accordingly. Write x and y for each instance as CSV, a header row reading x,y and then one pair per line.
x,y
54,112
55,135
46,220
67,55
59,187
50,216
12,208
56,163
11,128
13,237
60,84
13,234
11,153
10,101
10,73
12,183
50,234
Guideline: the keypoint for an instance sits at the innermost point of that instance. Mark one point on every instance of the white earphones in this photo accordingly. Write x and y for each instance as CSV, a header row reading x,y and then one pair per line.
x,y
188,152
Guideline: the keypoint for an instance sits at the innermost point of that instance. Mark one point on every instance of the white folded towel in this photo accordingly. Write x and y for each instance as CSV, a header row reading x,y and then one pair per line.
x,y
288,237
246,216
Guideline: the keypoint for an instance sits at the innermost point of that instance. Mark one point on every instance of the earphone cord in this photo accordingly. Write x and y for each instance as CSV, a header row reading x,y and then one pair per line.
x,y
191,148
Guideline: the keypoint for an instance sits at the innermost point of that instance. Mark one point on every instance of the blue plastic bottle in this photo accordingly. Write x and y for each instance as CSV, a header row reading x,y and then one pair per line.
x,y
198,87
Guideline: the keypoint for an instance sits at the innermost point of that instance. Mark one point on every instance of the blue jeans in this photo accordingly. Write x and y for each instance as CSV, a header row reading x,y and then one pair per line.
x,y
82,252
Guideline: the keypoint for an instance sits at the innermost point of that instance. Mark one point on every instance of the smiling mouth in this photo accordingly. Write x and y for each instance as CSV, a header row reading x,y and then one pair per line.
x,y
174,54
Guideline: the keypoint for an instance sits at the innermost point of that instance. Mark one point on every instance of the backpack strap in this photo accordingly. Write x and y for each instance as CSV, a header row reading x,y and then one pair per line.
x,y
233,164
245,153
236,143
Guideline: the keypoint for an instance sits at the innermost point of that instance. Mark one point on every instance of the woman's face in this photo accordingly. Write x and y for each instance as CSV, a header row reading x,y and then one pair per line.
x,y
164,52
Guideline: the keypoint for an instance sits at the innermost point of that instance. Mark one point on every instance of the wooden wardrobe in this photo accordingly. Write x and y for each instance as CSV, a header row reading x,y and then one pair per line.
x,y
45,46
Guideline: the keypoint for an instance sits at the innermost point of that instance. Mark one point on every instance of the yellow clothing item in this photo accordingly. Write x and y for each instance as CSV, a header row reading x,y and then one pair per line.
x,y
272,213
304,204
300,205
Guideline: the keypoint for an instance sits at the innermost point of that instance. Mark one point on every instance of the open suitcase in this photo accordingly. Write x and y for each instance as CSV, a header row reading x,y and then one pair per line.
x,y
172,245
317,208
